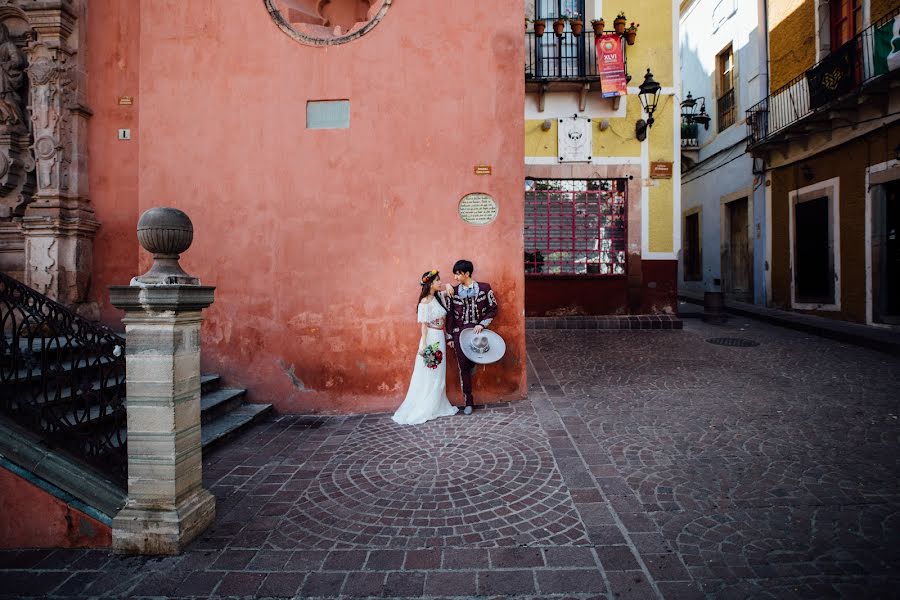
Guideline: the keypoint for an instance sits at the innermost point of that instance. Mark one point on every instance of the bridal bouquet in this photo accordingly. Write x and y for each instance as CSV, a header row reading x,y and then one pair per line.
x,y
432,356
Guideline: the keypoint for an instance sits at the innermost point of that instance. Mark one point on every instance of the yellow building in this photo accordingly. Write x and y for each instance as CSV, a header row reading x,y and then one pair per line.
x,y
602,188
827,139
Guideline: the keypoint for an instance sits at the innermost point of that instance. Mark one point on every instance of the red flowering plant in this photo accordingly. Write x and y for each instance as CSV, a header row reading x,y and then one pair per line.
x,y
432,355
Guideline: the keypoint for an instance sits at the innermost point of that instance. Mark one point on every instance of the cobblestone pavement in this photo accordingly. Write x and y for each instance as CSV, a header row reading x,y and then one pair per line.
x,y
645,464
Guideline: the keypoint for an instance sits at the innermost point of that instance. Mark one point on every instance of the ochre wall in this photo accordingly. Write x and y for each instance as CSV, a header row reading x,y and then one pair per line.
x,y
881,8
315,239
792,40
848,162
661,225
32,518
616,149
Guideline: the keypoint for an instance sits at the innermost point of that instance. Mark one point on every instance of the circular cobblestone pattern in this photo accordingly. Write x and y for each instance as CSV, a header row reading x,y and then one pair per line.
x,y
485,481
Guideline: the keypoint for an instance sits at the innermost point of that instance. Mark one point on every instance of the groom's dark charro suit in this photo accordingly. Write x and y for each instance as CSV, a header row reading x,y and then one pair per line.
x,y
469,307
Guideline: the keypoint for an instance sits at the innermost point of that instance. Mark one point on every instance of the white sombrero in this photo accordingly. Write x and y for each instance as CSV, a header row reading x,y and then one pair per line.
x,y
483,348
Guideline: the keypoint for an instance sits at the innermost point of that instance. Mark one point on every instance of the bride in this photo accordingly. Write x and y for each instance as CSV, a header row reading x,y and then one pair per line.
x,y
427,395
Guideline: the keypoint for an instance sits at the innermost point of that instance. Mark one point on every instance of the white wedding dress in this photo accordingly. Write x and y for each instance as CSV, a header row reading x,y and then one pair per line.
x,y
427,395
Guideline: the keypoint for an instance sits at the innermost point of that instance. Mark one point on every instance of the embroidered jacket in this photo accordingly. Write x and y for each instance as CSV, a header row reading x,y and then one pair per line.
x,y
469,312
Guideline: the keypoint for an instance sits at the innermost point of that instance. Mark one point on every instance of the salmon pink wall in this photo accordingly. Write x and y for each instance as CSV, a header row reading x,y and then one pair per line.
x,y
32,518
315,239
112,65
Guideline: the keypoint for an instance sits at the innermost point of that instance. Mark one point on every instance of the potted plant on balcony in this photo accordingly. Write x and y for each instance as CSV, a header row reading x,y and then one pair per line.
x,y
575,21
559,26
619,23
631,33
539,26
599,25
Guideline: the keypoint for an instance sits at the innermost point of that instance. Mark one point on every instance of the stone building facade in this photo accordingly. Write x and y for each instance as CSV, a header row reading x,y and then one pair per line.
x,y
47,223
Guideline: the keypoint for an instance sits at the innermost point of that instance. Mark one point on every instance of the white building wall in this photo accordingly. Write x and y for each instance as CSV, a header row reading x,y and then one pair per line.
x,y
725,169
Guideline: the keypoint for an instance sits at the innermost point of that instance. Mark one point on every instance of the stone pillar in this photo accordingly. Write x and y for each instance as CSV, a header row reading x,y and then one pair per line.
x,y
167,506
59,223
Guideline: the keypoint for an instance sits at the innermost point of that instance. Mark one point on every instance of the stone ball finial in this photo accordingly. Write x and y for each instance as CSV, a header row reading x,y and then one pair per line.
x,y
166,233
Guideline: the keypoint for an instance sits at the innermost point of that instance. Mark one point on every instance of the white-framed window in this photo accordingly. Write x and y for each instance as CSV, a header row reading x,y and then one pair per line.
x,y
815,246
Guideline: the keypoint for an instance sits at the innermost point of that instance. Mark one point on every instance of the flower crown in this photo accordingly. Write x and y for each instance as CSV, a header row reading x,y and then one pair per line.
x,y
429,275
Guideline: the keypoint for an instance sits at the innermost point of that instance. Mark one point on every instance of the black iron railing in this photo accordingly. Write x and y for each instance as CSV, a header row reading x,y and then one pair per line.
x,y
690,133
794,101
63,377
567,57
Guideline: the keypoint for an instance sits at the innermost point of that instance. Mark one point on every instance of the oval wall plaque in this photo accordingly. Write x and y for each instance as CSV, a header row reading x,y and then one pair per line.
x,y
478,209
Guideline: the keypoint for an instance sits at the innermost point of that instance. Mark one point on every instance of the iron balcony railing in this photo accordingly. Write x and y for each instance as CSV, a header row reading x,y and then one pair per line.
x,y
690,133
63,377
794,101
569,57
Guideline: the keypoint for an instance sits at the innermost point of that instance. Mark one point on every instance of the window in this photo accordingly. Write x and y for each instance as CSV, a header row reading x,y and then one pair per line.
x,y
815,246
846,21
565,56
726,103
693,262
575,227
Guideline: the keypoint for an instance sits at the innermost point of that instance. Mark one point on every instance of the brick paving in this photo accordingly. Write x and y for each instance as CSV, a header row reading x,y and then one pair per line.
x,y
645,464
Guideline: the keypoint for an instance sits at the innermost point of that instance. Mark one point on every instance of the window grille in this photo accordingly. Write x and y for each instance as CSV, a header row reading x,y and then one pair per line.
x,y
576,227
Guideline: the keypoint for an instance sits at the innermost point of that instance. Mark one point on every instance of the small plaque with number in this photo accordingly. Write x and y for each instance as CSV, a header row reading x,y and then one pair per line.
x,y
478,209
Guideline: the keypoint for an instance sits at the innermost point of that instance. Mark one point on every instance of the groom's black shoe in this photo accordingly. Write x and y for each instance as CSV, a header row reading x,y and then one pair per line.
x,y
467,410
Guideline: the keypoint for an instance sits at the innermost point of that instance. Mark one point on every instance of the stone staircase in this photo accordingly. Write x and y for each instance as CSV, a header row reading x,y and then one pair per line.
x,y
224,412
63,379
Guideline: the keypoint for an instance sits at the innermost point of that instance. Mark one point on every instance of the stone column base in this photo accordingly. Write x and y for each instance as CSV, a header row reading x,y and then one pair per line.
x,y
139,529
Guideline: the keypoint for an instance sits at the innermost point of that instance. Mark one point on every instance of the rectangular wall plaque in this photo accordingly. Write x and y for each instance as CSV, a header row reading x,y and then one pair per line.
x,y
661,170
328,114
126,100
483,170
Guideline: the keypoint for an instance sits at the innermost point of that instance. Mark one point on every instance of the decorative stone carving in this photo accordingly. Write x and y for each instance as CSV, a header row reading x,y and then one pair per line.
x,y
12,82
327,22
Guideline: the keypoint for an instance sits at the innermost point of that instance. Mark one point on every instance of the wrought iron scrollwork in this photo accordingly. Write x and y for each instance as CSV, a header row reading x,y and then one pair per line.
x,y
63,377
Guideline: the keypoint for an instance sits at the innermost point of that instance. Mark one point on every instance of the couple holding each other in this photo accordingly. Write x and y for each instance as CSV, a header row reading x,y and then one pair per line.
x,y
455,316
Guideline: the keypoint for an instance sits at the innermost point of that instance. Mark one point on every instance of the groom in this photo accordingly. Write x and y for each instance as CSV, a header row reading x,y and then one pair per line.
x,y
472,305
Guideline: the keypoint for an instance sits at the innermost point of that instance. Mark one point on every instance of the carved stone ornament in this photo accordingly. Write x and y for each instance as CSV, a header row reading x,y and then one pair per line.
x,y
326,22
16,160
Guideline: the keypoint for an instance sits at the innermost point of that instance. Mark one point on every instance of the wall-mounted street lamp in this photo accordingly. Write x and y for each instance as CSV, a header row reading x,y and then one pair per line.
x,y
649,95
689,111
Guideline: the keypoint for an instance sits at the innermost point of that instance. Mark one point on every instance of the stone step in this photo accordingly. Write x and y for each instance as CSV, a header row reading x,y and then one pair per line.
x,y
209,382
216,404
225,426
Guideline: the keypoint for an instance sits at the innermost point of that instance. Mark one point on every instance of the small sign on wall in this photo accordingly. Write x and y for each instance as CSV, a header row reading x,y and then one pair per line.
x,y
574,140
660,170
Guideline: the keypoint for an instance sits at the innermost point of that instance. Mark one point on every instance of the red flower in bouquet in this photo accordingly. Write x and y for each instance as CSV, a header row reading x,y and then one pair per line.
x,y
432,356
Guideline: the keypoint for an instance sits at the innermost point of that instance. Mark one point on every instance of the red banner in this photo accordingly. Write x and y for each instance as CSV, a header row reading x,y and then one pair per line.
x,y
611,65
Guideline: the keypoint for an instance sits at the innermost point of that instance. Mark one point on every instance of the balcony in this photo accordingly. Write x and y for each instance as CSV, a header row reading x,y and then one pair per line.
x,y
565,63
690,145
831,91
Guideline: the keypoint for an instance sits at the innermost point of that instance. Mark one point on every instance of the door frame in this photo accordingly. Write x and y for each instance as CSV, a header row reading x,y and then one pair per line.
x,y
725,235
830,188
875,175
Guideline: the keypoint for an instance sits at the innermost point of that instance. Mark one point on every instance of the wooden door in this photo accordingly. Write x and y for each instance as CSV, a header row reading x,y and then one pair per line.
x,y
738,278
